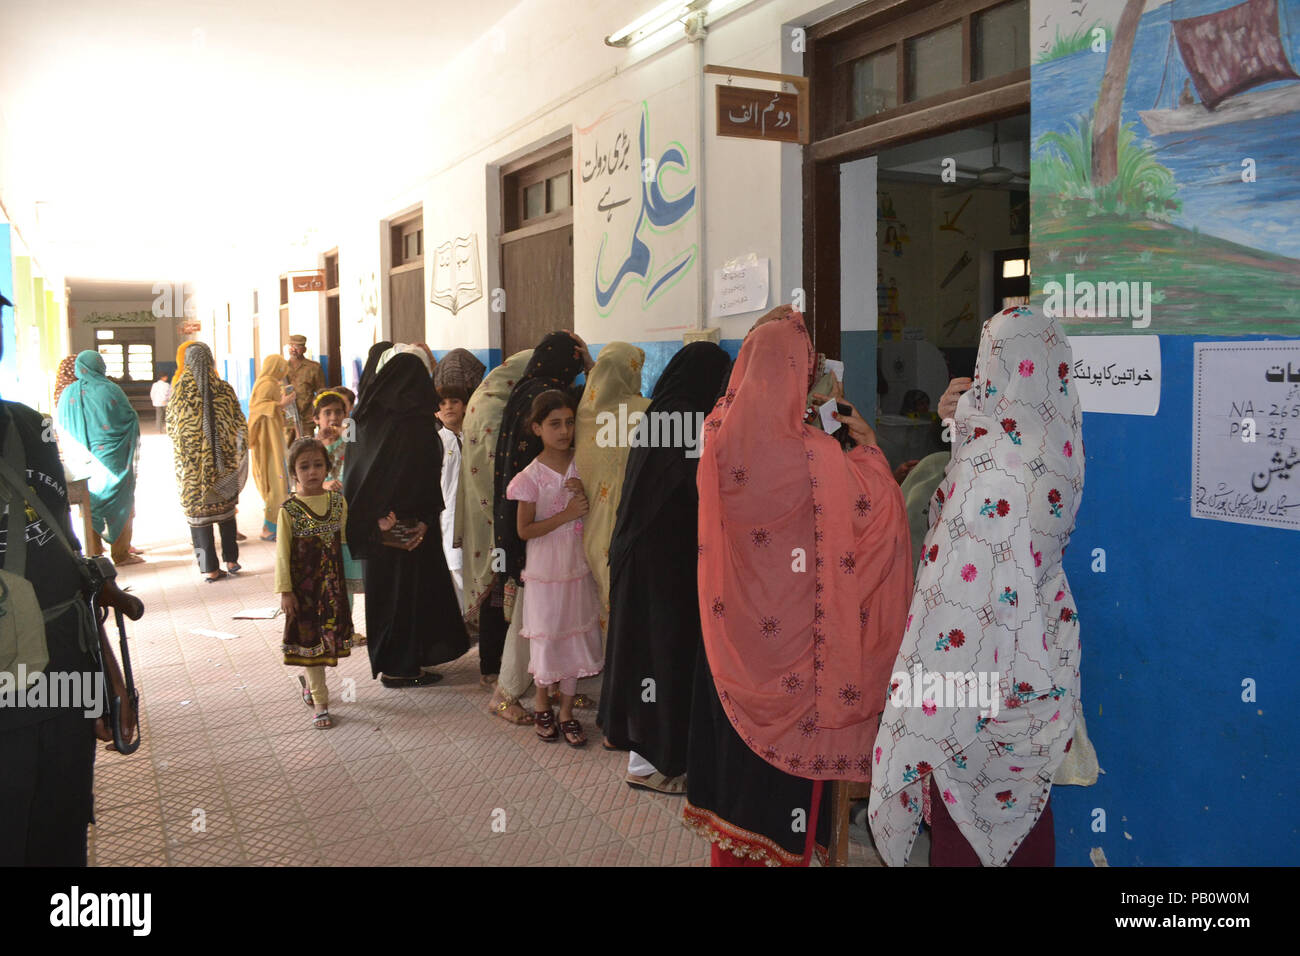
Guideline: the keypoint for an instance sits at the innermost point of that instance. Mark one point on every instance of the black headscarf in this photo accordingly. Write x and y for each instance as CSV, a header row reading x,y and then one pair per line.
x,y
689,384
395,462
556,362
368,373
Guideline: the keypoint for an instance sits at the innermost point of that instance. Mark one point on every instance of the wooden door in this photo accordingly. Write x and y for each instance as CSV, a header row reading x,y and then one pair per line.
x,y
538,274
331,351
406,298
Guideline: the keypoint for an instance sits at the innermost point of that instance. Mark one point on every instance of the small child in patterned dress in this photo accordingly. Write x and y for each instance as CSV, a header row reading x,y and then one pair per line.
x,y
309,575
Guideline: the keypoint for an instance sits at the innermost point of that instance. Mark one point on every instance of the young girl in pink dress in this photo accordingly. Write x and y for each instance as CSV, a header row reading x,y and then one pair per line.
x,y
561,613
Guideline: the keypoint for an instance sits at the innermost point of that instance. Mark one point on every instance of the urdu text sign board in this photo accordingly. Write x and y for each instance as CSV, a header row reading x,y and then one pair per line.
x,y
758,114
1246,433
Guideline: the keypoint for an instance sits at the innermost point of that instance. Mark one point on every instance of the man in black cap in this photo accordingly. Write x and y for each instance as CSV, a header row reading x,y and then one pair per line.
x,y
47,740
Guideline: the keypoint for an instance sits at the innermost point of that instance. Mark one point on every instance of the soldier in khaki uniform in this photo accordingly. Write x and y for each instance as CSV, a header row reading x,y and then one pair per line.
x,y
307,378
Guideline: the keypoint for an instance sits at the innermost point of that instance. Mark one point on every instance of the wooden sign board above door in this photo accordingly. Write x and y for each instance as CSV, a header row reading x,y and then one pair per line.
x,y
758,114
311,282
750,113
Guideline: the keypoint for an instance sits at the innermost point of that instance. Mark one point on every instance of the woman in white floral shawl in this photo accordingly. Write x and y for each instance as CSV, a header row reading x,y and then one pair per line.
x,y
991,598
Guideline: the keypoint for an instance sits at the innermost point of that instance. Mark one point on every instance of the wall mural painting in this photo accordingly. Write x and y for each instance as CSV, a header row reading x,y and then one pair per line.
x,y
1166,148
635,198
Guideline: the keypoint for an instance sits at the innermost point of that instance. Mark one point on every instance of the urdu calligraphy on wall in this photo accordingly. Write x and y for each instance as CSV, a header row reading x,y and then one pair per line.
x,y
634,198
1246,433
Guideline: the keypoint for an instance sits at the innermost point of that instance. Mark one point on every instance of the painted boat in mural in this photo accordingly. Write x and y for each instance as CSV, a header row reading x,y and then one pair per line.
x,y
1226,54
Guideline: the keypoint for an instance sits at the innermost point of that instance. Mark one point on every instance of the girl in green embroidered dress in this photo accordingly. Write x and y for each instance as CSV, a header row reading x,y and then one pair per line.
x,y
309,575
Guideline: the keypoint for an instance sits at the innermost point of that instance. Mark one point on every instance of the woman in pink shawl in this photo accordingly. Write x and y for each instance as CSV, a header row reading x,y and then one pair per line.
x,y
804,579
992,602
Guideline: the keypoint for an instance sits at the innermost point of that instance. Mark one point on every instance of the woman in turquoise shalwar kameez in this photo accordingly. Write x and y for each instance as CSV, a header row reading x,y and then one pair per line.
x,y
100,430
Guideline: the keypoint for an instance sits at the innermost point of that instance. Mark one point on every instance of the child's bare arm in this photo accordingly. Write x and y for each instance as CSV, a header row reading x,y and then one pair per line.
x,y
529,528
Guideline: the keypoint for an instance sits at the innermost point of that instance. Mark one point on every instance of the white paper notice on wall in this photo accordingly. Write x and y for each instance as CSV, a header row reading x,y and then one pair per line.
x,y
1117,374
1246,433
740,286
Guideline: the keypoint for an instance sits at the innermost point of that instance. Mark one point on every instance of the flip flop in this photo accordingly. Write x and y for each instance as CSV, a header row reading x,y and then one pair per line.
x,y
658,783
234,567
221,575
306,691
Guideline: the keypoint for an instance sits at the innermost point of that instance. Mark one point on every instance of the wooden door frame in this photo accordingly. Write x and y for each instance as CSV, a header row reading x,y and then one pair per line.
x,y
546,156
973,104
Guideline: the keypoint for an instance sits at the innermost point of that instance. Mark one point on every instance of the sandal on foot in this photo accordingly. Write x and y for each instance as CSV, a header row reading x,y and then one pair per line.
x,y
573,735
658,783
606,744
220,575
234,567
322,721
580,702
544,726
501,708
306,691
488,680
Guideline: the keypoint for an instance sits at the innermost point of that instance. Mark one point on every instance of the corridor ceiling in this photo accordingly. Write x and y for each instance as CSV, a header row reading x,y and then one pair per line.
x,y
151,135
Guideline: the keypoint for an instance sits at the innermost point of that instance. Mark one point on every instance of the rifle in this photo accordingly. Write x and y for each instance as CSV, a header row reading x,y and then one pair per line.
x,y
108,596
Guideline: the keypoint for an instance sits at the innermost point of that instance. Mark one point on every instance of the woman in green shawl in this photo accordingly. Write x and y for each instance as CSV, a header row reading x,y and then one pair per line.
x,y
100,430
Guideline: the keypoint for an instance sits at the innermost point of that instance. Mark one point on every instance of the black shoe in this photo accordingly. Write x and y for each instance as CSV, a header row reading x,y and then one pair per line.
x,y
424,680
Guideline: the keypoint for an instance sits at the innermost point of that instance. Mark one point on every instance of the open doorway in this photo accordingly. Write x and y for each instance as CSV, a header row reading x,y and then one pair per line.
x,y
915,199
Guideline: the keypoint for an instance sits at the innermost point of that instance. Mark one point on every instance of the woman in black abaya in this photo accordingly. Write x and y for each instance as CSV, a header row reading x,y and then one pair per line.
x,y
654,624
413,618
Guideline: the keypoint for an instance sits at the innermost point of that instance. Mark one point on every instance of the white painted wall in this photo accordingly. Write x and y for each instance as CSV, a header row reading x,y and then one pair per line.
x,y
544,73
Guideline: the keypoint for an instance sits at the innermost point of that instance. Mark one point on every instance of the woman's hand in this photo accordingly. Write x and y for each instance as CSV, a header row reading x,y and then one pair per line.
x,y
859,430
387,522
903,470
948,403
417,538
289,604
333,485
286,399
585,353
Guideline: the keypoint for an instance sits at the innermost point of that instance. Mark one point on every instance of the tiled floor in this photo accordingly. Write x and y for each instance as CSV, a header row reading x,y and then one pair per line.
x,y
232,772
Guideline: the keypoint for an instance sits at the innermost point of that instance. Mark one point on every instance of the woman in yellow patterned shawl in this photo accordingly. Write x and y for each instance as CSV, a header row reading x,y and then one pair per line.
x,y
210,448
601,450
266,438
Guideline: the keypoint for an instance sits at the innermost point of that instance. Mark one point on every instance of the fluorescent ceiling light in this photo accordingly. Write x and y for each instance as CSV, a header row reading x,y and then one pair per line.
x,y
654,21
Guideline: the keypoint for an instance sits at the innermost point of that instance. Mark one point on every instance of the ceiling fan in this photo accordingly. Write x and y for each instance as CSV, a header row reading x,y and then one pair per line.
x,y
994,176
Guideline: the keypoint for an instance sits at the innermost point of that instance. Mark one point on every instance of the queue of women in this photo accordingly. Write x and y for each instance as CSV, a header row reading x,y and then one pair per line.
x,y
760,608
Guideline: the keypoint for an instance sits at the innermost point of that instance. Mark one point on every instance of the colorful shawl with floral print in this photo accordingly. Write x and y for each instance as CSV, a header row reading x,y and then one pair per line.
x,y
992,608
